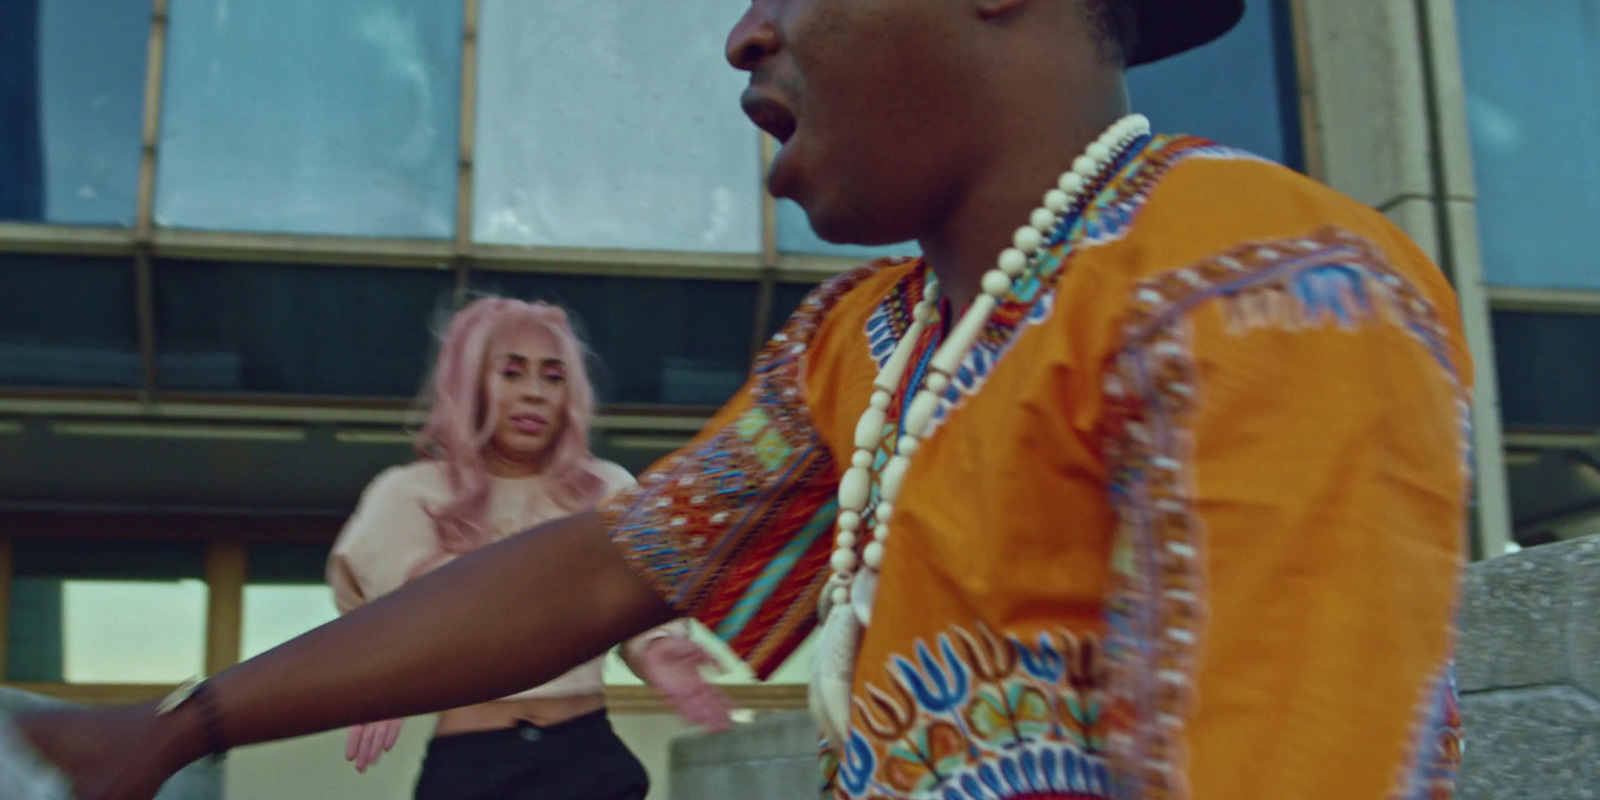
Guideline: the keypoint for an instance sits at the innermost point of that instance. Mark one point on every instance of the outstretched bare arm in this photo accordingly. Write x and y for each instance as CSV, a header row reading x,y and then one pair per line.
x,y
509,616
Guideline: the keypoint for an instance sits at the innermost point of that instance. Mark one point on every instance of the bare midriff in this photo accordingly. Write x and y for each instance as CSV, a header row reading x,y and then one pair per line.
x,y
541,711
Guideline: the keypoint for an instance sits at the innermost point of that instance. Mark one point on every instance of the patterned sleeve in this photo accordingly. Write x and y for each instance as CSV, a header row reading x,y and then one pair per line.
x,y
1288,437
735,529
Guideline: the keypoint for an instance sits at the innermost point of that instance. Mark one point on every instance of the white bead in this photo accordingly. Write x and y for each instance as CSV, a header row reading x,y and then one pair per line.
x,y
921,412
937,382
1044,219
996,283
1100,151
949,356
1057,201
1027,239
1071,184
873,555
907,446
880,534
880,400
883,513
841,595
1086,166
862,459
844,541
1013,261
924,315
869,429
849,521
853,489
930,291
894,475
843,560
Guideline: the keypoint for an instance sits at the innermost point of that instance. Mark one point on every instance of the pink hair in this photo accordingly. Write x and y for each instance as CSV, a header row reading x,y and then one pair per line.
x,y
459,423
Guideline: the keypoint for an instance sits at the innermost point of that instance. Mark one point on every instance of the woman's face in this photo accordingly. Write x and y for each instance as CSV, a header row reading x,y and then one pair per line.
x,y
525,379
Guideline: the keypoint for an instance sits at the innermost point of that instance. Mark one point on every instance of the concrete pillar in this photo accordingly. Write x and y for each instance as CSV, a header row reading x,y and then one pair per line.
x,y
1383,90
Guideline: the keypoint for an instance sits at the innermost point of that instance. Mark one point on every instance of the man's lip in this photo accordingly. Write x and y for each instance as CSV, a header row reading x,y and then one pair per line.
x,y
769,114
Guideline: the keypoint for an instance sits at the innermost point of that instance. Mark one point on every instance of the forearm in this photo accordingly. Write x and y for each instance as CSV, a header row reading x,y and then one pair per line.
x,y
509,616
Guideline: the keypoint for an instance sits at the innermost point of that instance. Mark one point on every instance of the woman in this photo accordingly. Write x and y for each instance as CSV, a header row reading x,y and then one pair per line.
x,y
505,447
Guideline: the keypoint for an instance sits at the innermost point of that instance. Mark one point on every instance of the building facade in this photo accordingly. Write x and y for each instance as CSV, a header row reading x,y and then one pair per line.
x,y
228,227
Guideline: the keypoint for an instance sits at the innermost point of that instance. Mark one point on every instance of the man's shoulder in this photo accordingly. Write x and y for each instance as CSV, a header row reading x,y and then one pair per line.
x,y
1192,200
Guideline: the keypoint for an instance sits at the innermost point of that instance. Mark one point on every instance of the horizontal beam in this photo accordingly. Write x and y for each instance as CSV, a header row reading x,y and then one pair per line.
x,y
335,251
1561,301
139,526
392,416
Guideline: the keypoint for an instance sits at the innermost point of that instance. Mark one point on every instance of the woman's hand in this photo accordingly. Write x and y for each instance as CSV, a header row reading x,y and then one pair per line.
x,y
368,743
672,666
109,754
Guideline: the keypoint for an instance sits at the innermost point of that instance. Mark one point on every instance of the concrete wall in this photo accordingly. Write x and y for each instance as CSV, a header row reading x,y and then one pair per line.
x,y
20,779
1529,671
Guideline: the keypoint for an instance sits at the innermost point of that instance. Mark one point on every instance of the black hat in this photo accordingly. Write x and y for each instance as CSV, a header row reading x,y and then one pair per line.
x,y
1169,27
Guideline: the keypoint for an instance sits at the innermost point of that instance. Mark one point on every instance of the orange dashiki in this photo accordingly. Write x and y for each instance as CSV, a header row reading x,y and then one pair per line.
x,y
1188,524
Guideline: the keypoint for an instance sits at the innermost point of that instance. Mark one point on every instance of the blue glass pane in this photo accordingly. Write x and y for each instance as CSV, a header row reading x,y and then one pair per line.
x,y
72,90
795,236
1257,110
1533,106
294,329
1239,90
310,116
677,342
613,124
1549,368
68,321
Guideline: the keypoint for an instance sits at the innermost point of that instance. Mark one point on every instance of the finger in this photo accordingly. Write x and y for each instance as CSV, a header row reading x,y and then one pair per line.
x,y
368,738
352,743
392,735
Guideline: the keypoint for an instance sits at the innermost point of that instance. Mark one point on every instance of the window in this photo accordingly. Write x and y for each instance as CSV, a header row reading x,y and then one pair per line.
x,y
613,125
1258,111
284,594
69,137
68,321
680,342
107,611
295,329
305,116
1532,74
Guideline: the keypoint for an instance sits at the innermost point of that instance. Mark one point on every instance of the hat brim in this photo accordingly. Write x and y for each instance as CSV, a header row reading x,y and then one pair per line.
x,y
1169,27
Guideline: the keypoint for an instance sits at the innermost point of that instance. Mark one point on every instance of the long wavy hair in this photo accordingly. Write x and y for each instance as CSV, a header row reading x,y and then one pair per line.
x,y
460,415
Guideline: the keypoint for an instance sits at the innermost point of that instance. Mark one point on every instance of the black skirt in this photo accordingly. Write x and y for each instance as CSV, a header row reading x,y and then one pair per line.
x,y
580,759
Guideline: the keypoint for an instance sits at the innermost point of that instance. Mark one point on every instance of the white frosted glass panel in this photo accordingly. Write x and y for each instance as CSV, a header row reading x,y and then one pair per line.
x,y
1533,106
275,614
796,236
607,124
311,116
133,631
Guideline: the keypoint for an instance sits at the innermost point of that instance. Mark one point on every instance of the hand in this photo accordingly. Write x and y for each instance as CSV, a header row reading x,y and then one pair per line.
x,y
105,754
367,743
672,667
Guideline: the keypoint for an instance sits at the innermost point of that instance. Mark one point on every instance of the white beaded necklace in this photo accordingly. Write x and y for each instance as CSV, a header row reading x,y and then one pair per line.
x,y
846,603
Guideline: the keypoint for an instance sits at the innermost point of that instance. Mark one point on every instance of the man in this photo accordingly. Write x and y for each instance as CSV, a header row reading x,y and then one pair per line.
x,y
1177,471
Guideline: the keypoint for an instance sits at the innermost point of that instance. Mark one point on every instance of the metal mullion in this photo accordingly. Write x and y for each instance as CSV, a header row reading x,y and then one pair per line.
x,y
143,280
461,257
43,239
1305,80
1551,301
225,569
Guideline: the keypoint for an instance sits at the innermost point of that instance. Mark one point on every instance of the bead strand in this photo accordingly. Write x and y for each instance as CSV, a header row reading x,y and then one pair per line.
x,y
855,489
